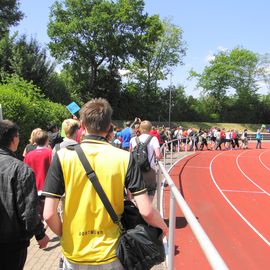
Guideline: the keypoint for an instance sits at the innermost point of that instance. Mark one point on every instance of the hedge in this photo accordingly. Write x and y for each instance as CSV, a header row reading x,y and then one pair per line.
x,y
23,104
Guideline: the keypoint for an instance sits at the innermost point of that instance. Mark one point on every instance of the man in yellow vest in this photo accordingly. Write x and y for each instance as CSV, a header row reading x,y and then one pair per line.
x,y
89,237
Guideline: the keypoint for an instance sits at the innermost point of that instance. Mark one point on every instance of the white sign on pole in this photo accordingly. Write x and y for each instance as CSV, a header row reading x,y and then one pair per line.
x,y
1,112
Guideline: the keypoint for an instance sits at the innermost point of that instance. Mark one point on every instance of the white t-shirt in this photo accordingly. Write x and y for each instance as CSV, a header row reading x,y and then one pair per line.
x,y
152,145
228,135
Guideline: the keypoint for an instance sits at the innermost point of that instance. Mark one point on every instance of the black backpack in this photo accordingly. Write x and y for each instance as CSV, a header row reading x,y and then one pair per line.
x,y
140,154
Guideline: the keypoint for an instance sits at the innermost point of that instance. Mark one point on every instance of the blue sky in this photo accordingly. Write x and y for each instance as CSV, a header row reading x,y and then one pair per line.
x,y
208,26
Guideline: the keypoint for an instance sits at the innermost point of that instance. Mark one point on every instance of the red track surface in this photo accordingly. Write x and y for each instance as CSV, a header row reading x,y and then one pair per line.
x,y
229,193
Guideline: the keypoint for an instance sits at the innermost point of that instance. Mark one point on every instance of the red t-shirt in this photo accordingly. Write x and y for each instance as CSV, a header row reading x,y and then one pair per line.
x,y
222,134
156,134
39,160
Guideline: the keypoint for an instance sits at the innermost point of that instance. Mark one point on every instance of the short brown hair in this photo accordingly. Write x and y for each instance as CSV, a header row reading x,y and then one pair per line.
x,y
32,139
145,126
96,115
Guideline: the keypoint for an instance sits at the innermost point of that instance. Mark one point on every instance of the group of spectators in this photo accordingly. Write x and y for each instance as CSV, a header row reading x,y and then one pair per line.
x,y
188,139
51,172
213,139
50,187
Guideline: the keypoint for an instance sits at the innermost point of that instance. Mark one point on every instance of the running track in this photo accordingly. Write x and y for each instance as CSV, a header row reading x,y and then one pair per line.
x,y
229,193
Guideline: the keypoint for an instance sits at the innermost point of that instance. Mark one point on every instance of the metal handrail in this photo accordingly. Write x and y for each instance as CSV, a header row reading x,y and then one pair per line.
x,y
212,255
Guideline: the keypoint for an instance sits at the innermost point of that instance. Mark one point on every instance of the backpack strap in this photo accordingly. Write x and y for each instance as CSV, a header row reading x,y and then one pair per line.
x,y
137,140
57,147
148,140
94,180
145,144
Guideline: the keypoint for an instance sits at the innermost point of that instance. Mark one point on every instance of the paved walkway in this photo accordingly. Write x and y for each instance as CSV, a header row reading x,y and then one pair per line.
x,y
48,258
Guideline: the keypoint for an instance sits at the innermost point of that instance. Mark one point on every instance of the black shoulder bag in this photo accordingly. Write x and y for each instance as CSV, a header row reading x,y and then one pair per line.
x,y
140,246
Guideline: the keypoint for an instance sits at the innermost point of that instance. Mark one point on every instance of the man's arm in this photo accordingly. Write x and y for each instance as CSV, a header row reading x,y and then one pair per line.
x,y
149,213
27,201
53,190
51,216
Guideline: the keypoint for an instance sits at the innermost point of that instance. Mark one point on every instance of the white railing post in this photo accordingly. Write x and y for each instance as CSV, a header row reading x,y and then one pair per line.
x,y
171,248
158,179
212,255
171,159
164,152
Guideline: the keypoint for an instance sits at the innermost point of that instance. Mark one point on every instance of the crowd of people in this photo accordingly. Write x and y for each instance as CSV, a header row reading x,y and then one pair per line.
x,y
188,139
50,188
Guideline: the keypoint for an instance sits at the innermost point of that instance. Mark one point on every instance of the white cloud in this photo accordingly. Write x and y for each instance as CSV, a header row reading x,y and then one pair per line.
x,y
222,49
211,57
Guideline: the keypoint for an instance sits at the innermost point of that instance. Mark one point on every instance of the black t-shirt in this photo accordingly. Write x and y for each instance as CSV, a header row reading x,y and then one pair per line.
x,y
30,147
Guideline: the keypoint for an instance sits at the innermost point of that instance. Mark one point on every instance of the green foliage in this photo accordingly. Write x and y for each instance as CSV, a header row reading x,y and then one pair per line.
x,y
234,69
230,85
161,56
29,60
93,37
10,15
263,69
16,83
24,104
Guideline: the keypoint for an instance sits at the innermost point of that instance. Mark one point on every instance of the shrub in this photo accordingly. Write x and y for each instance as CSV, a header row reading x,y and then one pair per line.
x,y
22,103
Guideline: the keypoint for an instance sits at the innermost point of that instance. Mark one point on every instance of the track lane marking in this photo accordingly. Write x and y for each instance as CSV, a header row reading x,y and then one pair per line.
x,y
231,204
197,167
266,167
243,191
238,166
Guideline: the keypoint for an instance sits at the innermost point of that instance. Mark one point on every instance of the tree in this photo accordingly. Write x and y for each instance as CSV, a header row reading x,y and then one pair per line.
x,y
90,36
10,15
228,72
263,70
162,55
29,60
6,45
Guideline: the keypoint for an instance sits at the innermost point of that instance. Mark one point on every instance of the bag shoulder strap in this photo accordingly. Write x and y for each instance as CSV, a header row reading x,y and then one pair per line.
x,y
137,140
148,140
146,143
57,147
94,180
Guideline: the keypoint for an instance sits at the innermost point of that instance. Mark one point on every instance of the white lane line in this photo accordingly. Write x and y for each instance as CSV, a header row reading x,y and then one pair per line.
x,y
243,191
233,207
197,167
266,167
237,163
